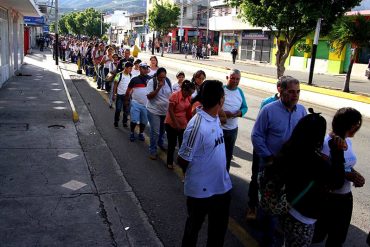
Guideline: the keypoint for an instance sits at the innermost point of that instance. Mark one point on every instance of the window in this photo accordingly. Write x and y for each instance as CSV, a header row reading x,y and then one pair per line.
x,y
184,11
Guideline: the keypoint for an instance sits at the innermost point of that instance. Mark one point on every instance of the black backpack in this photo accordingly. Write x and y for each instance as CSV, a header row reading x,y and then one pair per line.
x,y
155,82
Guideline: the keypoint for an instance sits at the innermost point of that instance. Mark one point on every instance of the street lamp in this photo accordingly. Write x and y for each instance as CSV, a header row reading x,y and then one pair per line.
x,y
208,9
314,49
101,24
56,34
181,31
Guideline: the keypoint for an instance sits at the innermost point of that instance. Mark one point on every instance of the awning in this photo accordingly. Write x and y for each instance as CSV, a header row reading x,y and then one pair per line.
x,y
25,7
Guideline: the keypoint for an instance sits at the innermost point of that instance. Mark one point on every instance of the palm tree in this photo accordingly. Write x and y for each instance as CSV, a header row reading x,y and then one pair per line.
x,y
354,30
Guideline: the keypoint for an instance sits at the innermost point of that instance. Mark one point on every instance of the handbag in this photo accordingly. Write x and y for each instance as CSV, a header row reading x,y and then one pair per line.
x,y
110,76
272,195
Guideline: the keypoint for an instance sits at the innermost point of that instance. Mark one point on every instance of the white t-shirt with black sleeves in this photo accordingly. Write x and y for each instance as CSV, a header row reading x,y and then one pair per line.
x,y
204,148
123,83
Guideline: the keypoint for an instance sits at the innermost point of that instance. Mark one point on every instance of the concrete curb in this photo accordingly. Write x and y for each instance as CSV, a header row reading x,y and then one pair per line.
x,y
75,116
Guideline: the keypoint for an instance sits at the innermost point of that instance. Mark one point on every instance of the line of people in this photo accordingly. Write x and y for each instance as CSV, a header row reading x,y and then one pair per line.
x,y
294,144
201,118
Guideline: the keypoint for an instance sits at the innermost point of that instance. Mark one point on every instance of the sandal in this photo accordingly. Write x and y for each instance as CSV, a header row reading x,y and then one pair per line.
x,y
170,166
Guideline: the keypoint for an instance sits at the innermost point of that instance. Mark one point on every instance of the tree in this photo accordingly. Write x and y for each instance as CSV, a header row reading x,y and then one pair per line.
x,y
87,22
62,25
93,23
290,21
72,23
163,17
354,30
52,27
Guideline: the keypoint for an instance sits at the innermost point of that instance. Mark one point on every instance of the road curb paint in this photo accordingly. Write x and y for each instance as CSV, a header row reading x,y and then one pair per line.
x,y
75,116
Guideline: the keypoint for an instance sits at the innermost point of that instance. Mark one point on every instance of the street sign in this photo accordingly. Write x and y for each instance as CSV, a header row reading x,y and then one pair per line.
x,y
30,20
181,32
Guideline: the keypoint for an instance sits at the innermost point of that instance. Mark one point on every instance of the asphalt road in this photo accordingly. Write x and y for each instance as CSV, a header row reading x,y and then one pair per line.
x,y
160,191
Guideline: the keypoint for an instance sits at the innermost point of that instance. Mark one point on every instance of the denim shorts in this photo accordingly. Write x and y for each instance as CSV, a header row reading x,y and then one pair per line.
x,y
138,113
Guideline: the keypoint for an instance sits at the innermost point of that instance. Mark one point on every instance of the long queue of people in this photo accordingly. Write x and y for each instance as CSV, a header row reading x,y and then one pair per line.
x,y
201,118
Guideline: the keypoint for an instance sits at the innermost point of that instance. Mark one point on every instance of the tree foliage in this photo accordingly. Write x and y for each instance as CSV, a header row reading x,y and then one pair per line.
x,y
353,30
291,20
87,22
163,17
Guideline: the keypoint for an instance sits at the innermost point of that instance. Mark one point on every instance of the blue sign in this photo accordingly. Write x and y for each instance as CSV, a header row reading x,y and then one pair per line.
x,y
45,29
39,21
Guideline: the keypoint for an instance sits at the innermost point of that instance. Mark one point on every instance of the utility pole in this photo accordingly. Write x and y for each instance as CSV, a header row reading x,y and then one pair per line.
x,y
56,33
153,44
314,49
101,24
181,32
208,9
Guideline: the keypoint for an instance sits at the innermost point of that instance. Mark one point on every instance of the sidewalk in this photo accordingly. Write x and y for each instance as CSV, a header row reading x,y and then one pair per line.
x,y
357,85
52,193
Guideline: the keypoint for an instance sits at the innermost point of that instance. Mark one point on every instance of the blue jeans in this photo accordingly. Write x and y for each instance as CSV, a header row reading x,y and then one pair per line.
x,y
230,139
120,105
156,132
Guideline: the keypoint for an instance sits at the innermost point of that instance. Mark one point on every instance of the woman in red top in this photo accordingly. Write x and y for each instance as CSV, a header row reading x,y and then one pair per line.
x,y
178,115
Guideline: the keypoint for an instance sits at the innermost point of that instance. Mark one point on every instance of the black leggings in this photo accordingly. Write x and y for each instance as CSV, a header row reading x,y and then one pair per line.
x,y
173,136
335,220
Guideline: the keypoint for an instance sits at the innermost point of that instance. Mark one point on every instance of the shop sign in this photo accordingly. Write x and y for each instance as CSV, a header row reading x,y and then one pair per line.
x,y
30,20
230,34
255,35
193,33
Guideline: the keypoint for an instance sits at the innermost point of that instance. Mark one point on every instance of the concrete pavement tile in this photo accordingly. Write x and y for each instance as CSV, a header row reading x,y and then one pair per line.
x,y
15,159
72,235
40,181
40,137
49,210
52,221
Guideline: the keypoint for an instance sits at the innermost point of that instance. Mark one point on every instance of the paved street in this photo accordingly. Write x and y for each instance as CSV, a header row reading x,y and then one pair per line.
x,y
358,84
111,194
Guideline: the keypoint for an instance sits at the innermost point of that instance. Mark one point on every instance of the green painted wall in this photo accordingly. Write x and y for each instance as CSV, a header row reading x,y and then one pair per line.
x,y
322,50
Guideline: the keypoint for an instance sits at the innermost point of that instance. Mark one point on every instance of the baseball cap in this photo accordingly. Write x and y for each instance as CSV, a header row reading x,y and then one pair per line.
x,y
144,65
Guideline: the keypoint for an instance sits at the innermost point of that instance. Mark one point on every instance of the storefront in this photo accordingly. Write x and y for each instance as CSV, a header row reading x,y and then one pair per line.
x,y
12,35
256,46
194,36
228,41
4,46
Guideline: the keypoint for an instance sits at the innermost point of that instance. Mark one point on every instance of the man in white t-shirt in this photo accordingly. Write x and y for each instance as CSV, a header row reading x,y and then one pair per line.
x,y
202,157
234,107
159,90
120,87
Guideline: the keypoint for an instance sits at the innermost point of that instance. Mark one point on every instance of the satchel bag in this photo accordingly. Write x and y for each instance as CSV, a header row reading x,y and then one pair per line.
x,y
110,76
272,195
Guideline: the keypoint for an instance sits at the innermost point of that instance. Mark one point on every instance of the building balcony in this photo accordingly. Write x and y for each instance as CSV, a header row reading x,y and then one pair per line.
x,y
25,7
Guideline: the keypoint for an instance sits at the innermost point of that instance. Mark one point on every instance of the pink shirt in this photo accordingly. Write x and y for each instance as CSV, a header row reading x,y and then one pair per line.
x,y
181,108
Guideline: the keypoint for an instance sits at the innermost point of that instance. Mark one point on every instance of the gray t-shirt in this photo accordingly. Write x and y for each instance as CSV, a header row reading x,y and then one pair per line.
x,y
159,104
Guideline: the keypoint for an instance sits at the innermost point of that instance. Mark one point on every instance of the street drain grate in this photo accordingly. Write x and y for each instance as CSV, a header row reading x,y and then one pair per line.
x,y
14,126
56,126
